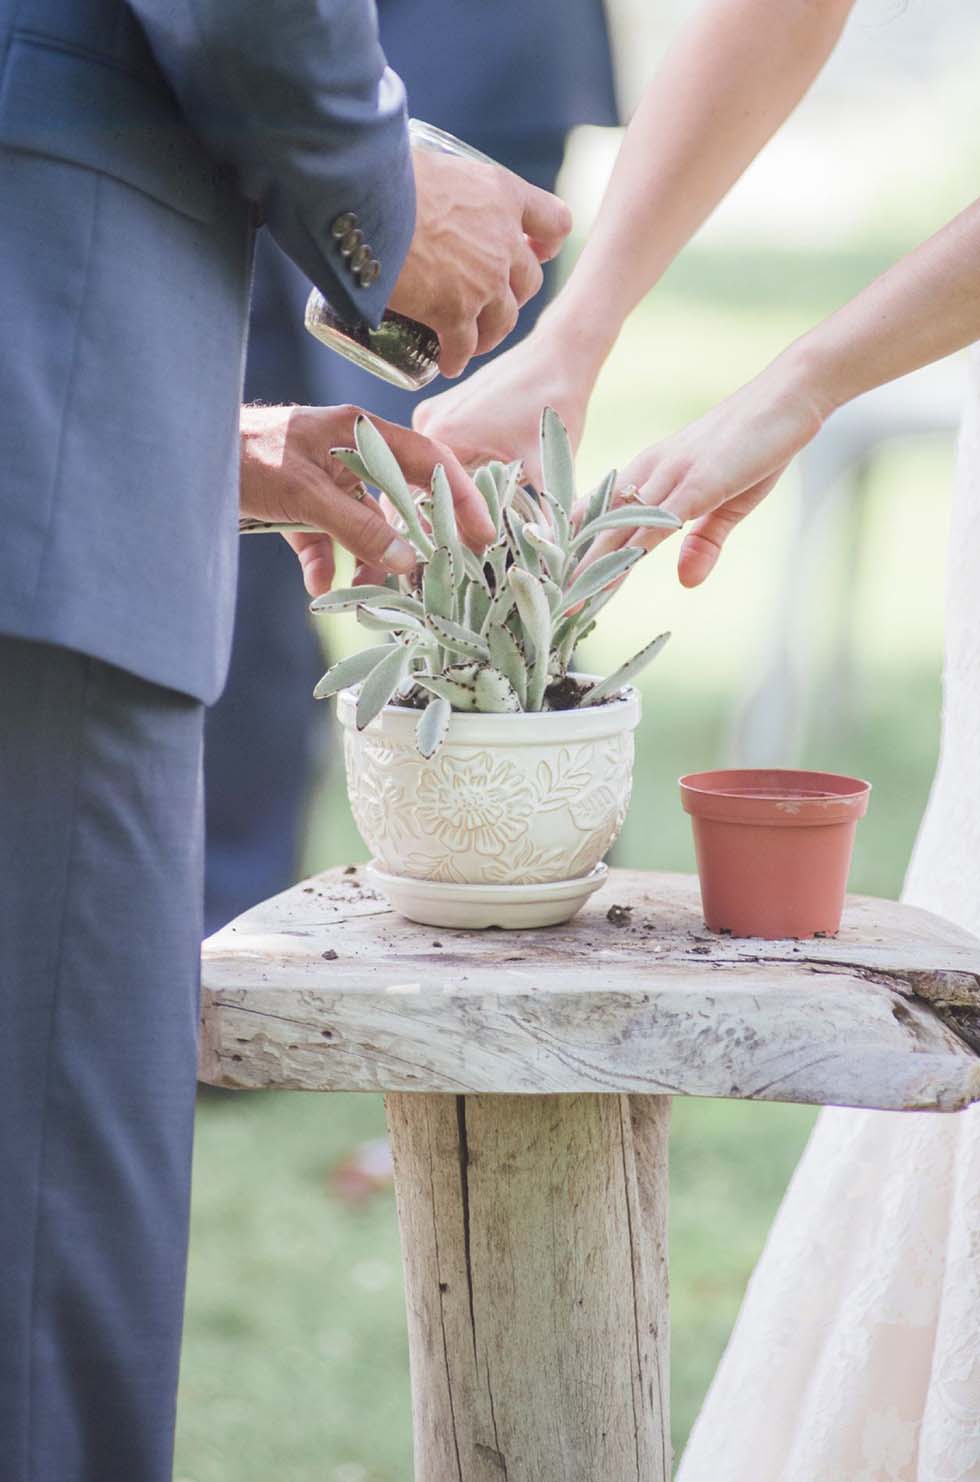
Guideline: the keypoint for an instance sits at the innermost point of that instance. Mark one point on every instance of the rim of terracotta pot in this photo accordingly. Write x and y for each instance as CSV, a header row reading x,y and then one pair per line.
x,y
779,797
519,728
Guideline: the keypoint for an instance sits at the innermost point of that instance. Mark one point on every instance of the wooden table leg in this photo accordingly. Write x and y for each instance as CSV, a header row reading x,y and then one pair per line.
x,y
534,1240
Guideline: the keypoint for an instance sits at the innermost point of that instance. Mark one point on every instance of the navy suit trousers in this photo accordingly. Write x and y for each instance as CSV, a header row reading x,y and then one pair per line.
x,y
100,922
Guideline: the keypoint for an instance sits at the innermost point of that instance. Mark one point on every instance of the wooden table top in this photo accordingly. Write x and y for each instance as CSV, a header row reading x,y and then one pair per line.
x,y
325,988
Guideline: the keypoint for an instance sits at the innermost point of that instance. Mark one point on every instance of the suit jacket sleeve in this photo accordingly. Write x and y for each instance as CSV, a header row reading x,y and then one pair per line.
x,y
295,96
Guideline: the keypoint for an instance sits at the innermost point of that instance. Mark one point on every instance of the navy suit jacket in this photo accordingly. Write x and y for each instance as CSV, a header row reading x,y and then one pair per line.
x,y
140,142
510,76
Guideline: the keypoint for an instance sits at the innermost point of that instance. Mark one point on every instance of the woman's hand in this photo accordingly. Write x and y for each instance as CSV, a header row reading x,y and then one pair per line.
x,y
289,477
496,412
716,470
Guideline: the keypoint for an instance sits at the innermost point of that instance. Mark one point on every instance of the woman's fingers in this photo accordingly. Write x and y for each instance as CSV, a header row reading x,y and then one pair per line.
x,y
657,489
703,543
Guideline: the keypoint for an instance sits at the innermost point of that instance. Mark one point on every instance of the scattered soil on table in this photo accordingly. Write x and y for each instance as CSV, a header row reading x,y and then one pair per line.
x,y
619,915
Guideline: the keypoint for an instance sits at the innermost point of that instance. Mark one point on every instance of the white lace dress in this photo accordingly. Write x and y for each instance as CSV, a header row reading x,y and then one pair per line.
x,y
856,1356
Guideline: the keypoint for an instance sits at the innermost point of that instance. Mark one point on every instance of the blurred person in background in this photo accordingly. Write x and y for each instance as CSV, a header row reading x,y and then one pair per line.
x,y
511,78
857,1353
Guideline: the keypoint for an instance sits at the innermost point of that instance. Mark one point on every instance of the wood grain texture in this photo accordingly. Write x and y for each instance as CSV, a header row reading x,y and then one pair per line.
x,y
325,988
534,1244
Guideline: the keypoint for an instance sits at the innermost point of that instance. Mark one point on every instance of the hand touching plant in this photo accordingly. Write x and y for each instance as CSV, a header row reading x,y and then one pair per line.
x,y
718,469
290,477
494,414
494,632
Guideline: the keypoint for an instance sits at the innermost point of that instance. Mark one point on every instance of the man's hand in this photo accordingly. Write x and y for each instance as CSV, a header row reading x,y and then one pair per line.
x,y
289,477
481,234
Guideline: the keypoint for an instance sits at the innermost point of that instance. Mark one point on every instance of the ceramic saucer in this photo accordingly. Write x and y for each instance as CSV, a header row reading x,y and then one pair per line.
x,y
436,903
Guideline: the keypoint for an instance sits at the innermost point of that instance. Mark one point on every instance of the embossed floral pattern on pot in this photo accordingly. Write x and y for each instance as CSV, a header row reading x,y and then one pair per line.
x,y
474,802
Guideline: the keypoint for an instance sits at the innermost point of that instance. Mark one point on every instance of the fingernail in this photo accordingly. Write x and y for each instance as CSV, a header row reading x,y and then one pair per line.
x,y
400,556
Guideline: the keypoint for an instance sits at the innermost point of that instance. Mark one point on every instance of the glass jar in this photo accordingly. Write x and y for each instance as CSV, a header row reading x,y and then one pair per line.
x,y
400,350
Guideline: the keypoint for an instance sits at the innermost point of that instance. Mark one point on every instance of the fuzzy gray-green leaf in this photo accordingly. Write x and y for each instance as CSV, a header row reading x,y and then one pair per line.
x,y
508,477
473,566
596,577
352,670
597,502
384,471
585,616
506,655
433,725
553,557
463,673
557,463
561,524
533,606
523,551
387,620
554,594
459,696
445,531
457,639
345,599
438,585
627,516
476,607
381,684
499,609
625,672
487,485
352,459
495,695
522,504
535,614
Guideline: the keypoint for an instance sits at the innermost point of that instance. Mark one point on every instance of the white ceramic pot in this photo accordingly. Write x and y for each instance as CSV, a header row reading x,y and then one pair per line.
x,y
507,800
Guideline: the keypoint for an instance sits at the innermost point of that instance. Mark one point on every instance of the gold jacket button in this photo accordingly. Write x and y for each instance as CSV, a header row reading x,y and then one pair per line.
x,y
351,244
343,224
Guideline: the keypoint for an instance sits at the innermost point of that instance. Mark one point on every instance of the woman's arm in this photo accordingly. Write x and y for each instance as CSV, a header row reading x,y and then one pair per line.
x,y
719,468
723,89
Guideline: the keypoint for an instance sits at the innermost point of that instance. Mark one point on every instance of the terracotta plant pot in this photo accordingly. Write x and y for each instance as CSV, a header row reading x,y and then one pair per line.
x,y
773,848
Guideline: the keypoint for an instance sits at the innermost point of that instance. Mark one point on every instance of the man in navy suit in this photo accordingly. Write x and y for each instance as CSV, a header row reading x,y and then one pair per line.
x,y
511,78
141,141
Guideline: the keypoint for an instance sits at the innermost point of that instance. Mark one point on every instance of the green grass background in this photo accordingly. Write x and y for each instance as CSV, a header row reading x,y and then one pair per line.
x,y
295,1362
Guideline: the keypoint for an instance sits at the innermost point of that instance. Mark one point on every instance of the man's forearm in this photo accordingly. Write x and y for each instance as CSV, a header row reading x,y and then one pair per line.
x,y
724,88
925,307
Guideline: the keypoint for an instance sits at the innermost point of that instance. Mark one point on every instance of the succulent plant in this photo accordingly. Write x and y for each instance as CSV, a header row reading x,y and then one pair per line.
x,y
493,632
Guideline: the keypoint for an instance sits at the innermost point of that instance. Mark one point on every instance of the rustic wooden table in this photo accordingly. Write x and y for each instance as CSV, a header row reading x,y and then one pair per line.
x,y
527,1080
